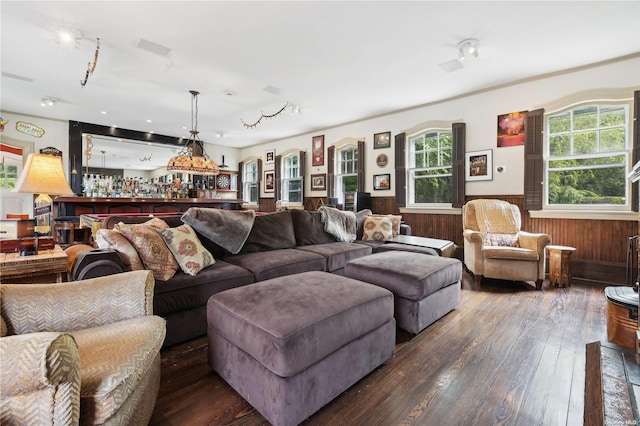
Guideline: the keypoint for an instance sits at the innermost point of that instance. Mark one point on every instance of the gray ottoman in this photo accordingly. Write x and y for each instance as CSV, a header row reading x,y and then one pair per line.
x,y
291,344
425,288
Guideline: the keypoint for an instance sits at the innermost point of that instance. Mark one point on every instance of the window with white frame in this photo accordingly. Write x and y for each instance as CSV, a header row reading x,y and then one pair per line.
x,y
429,175
347,167
587,157
291,179
251,183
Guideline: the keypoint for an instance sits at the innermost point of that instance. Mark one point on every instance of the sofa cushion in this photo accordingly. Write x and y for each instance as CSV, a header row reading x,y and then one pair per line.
x,y
271,231
308,228
360,217
113,358
184,292
377,228
509,253
338,253
276,263
187,249
290,323
151,248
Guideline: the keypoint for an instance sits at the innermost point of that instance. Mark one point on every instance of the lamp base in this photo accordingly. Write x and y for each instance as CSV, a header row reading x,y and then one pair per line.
x,y
42,215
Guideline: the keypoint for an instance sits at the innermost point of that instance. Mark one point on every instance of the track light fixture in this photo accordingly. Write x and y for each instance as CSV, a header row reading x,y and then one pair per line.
x,y
468,47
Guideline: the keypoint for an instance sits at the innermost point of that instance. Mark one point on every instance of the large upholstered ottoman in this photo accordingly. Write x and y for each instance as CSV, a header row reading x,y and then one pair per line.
x,y
425,288
291,344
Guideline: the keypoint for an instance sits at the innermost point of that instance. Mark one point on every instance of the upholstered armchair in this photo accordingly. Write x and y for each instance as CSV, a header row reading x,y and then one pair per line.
x,y
495,247
84,352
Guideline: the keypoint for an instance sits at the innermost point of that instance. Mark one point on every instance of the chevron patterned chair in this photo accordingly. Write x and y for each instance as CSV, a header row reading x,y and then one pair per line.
x,y
495,247
84,352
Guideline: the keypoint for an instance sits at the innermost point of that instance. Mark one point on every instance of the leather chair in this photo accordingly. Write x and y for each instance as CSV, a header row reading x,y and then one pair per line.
x,y
495,247
84,352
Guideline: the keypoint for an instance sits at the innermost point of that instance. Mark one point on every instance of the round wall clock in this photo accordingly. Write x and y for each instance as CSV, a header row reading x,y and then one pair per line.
x,y
223,182
382,160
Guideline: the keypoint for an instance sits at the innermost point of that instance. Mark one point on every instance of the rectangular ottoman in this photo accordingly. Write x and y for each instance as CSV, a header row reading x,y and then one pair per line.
x,y
291,344
425,287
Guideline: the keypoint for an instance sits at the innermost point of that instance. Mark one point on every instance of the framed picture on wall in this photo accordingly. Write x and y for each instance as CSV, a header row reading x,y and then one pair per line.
x,y
319,182
382,140
270,155
479,165
317,150
381,182
269,181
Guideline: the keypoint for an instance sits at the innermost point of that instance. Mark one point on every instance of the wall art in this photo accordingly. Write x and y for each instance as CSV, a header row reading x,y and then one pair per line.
x,y
317,150
382,140
479,165
382,182
511,129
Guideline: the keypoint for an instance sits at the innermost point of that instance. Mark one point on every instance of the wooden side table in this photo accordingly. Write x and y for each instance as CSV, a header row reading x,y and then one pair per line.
x,y
560,265
32,269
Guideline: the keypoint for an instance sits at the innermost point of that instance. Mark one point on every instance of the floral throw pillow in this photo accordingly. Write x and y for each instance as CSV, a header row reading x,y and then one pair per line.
x,y
505,240
396,220
151,248
377,228
187,249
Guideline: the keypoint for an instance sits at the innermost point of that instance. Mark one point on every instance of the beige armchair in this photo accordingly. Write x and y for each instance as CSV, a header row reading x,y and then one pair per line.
x,y
495,247
84,352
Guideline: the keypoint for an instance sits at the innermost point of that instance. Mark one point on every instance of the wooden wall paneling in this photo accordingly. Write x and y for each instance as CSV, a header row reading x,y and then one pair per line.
x,y
267,205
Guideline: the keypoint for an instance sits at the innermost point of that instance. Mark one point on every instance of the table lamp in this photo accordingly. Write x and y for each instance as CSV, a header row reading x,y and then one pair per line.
x,y
43,174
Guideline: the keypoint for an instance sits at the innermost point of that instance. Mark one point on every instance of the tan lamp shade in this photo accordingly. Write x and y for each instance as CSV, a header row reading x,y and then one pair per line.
x,y
43,174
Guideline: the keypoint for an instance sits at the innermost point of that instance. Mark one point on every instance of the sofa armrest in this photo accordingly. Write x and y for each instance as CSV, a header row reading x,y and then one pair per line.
x,y
43,384
473,243
405,229
78,304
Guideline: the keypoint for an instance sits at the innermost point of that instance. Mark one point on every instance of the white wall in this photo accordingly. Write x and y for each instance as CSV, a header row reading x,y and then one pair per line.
x,y
479,112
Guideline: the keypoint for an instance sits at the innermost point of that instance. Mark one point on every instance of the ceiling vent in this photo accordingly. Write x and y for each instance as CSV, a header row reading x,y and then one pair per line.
x,y
152,47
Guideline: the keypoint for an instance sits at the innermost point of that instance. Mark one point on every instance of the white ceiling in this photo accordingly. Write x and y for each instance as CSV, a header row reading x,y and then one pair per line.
x,y
339,61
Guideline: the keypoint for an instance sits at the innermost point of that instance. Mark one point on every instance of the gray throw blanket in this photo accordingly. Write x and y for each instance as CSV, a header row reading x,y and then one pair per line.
x,y
227,228
340,224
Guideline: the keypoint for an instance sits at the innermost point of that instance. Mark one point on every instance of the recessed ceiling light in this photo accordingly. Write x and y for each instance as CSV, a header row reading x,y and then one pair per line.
x,y
103,112
148,121
229,93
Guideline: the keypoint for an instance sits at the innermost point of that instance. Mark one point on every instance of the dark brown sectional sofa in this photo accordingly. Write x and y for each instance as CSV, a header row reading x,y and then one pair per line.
x,y
279,244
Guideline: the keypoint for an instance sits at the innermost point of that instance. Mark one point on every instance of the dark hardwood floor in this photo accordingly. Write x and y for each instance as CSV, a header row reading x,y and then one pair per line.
x,y
508,355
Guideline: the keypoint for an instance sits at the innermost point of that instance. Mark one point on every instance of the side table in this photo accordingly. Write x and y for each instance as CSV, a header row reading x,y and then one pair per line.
x,y
31,269
560,265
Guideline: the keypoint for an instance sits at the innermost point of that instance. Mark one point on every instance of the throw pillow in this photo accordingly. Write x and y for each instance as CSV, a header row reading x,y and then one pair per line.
x,y
396,220
112,239
377,228
187,249
505,240
151,248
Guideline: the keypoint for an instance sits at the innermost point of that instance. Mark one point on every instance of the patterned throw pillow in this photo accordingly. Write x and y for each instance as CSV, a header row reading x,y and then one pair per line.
x,y
505,240
187,249
151,248
377,228
396,220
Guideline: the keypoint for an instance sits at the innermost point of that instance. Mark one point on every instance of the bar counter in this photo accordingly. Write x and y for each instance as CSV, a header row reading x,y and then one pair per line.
x,y
76,206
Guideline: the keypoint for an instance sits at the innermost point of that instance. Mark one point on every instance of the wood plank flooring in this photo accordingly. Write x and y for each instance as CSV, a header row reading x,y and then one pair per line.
x,y
508,355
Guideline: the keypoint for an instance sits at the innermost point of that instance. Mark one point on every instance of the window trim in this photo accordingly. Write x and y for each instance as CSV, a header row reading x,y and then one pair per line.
x,y
285,179
338,176
245,182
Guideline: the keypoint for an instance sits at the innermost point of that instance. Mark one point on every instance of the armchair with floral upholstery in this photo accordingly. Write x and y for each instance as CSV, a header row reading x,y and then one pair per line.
x,y
495,247
84,352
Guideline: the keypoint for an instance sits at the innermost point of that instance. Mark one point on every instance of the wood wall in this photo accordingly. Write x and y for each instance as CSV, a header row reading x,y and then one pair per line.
x,y
601,245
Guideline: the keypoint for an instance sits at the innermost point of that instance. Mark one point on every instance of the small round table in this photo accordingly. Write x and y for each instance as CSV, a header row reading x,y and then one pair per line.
x,y
560,265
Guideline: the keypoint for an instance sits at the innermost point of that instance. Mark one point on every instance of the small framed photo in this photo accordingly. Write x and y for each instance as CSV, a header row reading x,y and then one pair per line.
x,y
270,156
479,165
381,182
269,181
319,182
317,150
382,140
